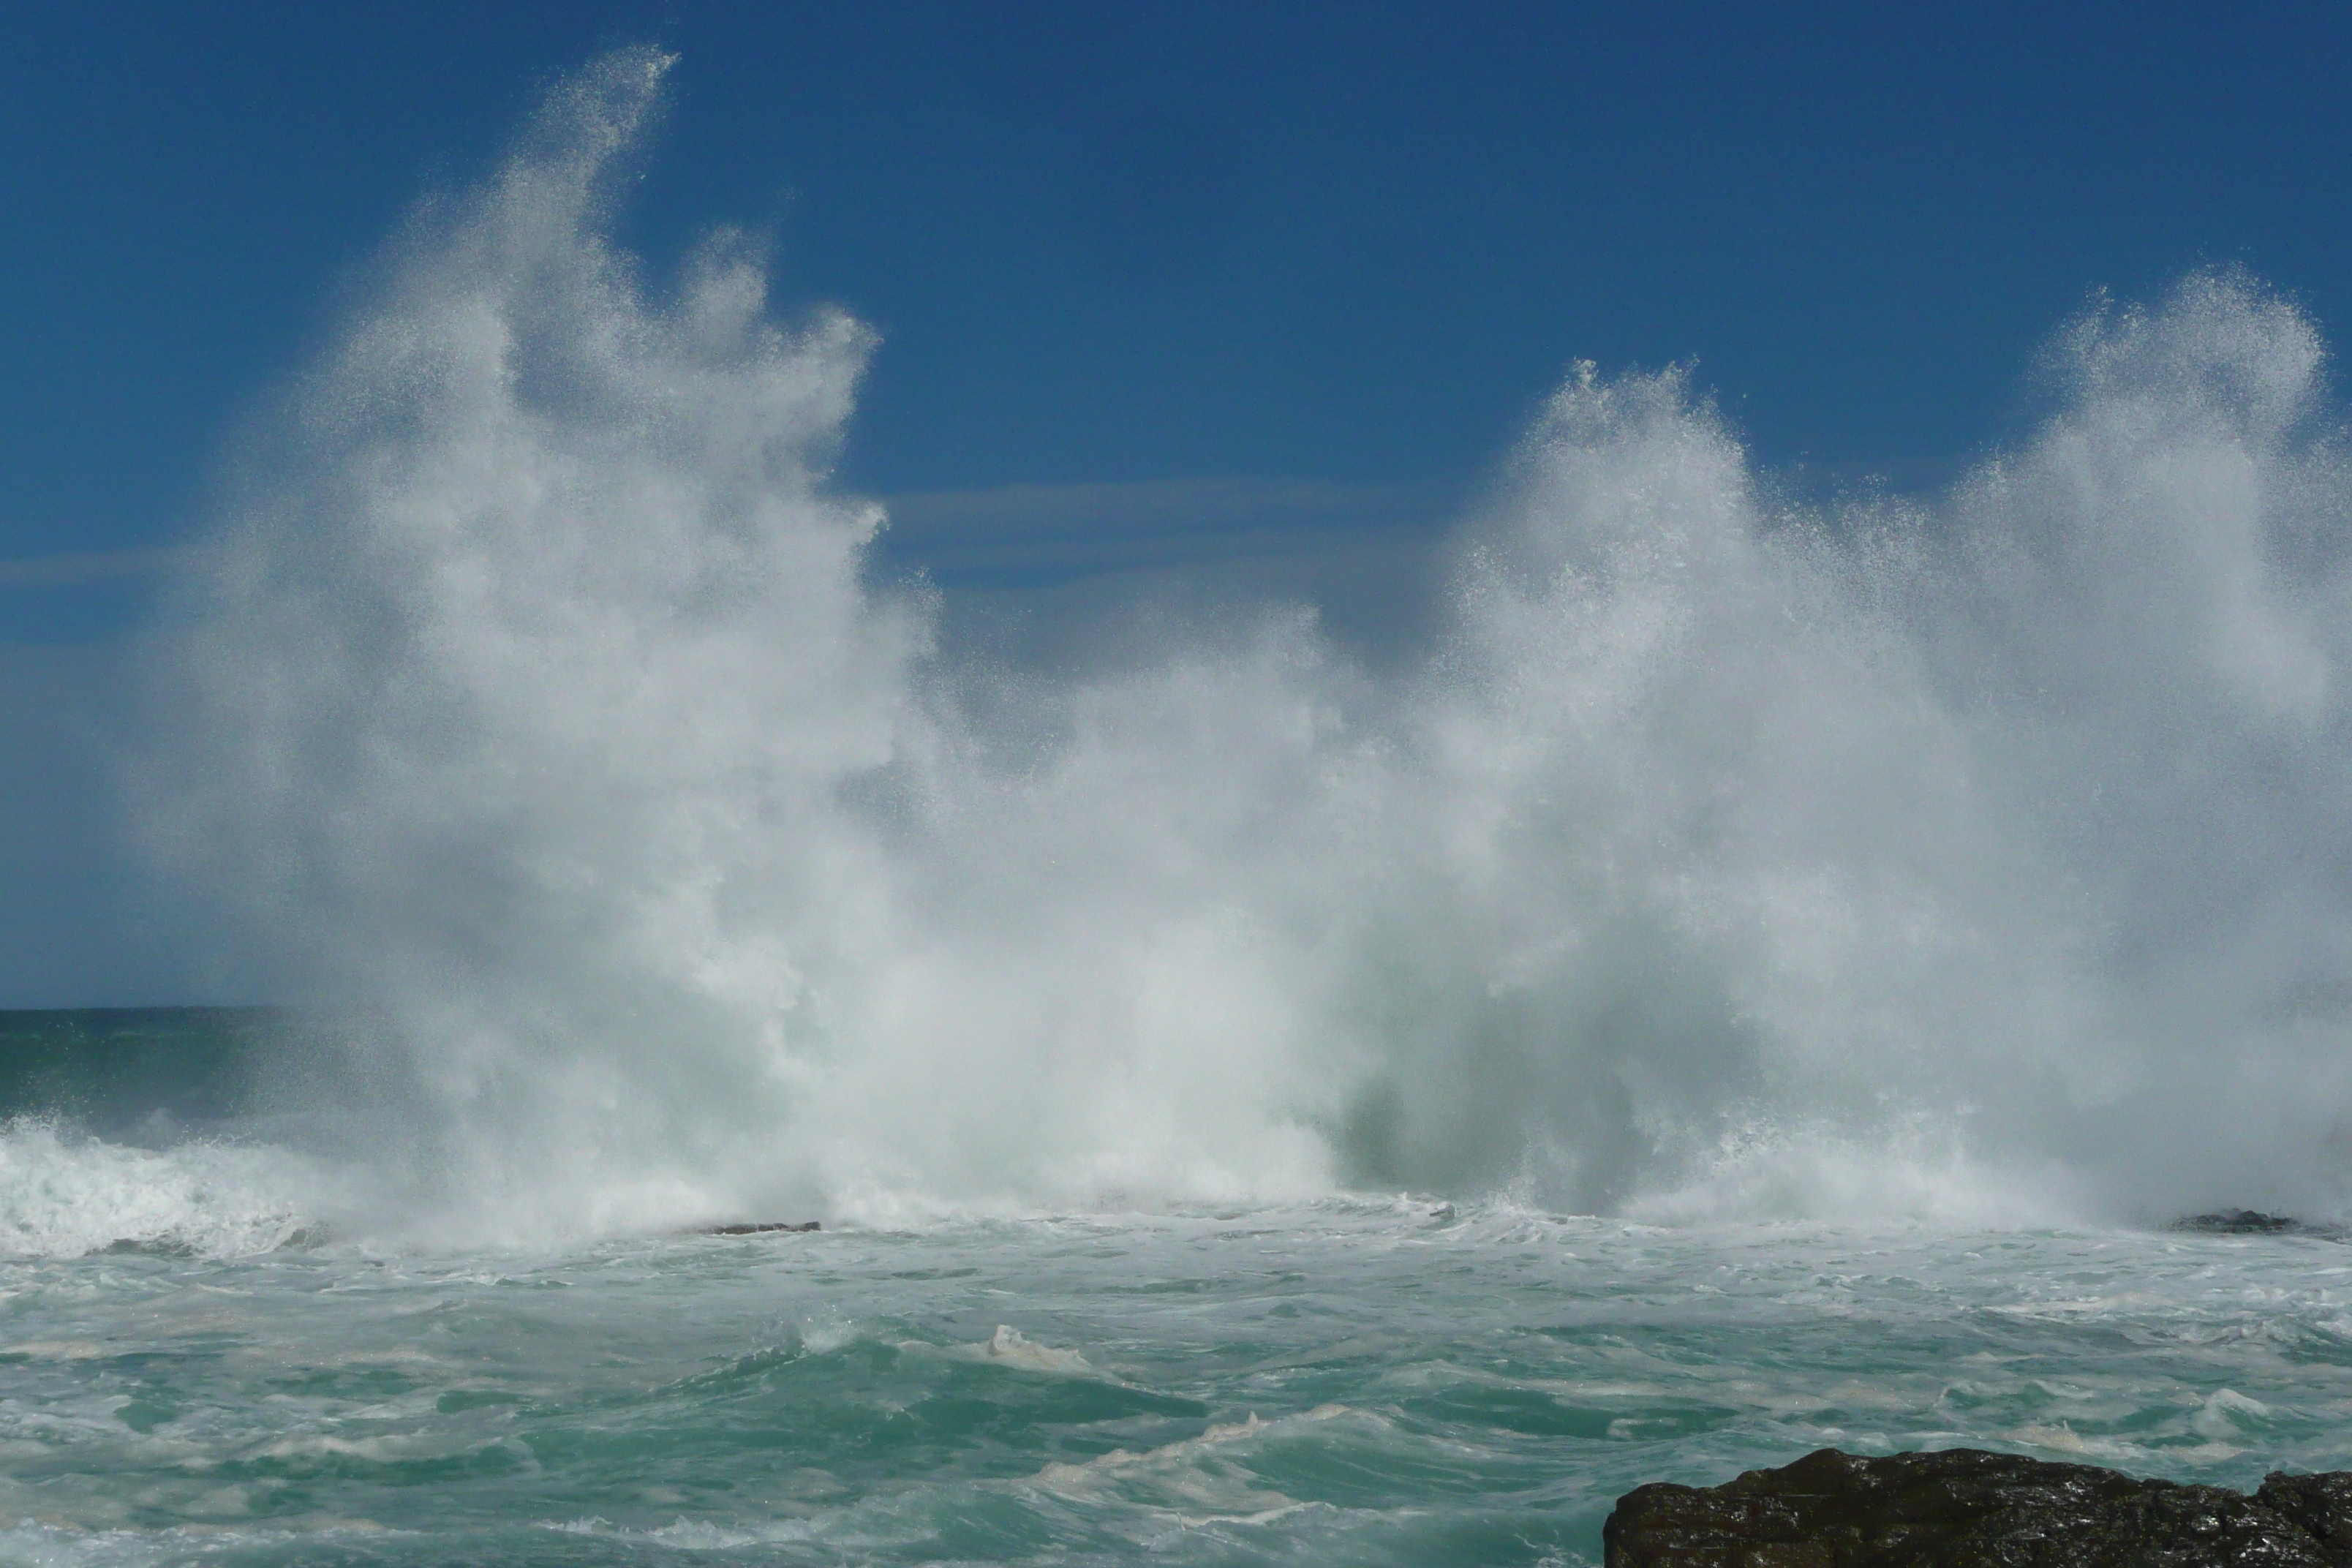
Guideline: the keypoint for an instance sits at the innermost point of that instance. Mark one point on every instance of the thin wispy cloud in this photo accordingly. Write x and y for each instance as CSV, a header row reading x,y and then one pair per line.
x,y
1084,529
1020,531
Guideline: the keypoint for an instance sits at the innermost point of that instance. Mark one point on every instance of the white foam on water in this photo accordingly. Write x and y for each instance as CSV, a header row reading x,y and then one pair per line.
x,y
824,1332
63,1195
1913,1170
32,1543
1065,1476
1008,1346
1192,1479
1979,857
683,1535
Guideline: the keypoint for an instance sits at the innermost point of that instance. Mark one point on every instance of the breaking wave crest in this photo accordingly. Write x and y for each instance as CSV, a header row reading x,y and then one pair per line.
x,y
63,1195
1983,853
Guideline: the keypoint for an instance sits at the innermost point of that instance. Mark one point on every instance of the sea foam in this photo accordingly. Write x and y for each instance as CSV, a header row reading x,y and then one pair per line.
x,y
63,1195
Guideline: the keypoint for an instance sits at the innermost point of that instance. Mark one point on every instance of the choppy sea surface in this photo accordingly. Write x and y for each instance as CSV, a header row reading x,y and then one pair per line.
x,y
1368,1380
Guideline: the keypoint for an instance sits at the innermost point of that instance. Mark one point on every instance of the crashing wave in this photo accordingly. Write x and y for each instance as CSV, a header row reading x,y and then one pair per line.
x,y
535,691
62,1195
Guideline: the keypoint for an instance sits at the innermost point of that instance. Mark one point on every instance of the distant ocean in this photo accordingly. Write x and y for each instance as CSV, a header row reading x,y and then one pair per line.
x,y
1764,975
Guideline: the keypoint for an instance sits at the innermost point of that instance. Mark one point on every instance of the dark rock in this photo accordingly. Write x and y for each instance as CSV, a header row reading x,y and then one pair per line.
x,y
1964,1508
2253,1222
2322,1504
759,1229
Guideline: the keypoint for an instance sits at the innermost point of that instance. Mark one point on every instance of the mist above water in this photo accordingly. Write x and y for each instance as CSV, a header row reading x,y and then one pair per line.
x,y
1984,855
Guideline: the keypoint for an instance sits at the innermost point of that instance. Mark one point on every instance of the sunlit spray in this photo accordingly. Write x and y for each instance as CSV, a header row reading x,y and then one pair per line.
x,y
1986,856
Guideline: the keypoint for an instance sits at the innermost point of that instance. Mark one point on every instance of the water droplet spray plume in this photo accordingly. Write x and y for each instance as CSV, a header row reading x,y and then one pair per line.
x,y
1981,856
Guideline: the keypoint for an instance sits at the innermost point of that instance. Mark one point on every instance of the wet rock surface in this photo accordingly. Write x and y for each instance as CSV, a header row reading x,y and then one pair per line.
x,y
1964,1506
2253,1222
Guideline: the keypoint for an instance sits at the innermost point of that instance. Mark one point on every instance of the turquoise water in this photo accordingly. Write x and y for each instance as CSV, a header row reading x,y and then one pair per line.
x,y
196,1365
1373,1381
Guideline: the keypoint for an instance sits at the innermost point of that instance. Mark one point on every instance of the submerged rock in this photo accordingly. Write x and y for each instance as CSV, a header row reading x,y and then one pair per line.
x,y
1964,1506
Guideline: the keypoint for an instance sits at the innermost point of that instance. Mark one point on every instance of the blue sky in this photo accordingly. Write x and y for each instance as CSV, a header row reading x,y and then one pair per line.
x,y
1348,244
1158,285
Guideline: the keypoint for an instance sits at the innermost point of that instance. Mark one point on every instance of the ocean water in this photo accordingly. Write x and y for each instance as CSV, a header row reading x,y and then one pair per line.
x,y
1792,957
193,1368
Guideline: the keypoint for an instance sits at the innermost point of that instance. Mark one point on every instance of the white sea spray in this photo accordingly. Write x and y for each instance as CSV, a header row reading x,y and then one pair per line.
x,y
65,1195
1977,856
